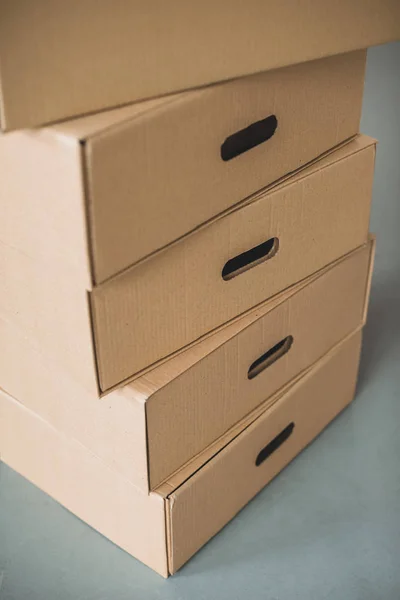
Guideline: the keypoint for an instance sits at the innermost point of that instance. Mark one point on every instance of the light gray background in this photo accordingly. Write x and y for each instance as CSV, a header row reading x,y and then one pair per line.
x,y
327,528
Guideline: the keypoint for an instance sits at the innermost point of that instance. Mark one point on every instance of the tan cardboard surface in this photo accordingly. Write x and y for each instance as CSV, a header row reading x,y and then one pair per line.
x,y
81,482
200,507
112,428
107,190
43,202
209,398
157,530
50,310
173,402
179,294
111,53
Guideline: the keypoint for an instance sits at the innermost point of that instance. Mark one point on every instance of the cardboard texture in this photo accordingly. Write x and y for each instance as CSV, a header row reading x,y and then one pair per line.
x,y
165,528
187,410
59,59
180,294
204,503
149,428
105,191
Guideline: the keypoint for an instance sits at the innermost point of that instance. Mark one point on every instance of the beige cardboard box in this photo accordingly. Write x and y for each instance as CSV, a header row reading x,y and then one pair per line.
x,y
149,428
59,59
166,527
278,237
102,192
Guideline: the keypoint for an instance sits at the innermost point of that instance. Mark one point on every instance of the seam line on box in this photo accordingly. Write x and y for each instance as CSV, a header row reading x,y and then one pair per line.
x,y
93,329
146,429
168,533
86,209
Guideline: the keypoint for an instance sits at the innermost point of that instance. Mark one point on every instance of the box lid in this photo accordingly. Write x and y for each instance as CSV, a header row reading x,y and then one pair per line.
x,y
59,59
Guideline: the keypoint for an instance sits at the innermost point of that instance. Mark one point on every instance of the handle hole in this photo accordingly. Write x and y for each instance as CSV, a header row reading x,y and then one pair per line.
x,y
249,259
249,137
271,356
275,444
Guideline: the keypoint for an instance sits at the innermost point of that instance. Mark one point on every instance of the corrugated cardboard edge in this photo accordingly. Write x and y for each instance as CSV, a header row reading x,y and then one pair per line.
x,y
86,187
183,474
2,108
372,240
89,258
187,470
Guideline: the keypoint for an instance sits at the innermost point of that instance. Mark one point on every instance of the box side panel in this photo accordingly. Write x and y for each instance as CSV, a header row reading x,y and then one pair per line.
x,y
180,294
42,201
51,310
168,168
113,428
209,499
110,41
61,467
198,407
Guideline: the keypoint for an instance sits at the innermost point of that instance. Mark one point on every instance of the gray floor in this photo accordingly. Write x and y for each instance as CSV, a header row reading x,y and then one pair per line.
x,y
327,528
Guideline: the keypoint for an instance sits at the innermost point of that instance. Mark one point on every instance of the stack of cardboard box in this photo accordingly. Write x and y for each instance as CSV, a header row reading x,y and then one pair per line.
x,y
184,279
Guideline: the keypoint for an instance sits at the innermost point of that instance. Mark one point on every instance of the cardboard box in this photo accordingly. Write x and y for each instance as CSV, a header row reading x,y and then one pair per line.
x,y
149,428
187,290
60,59
166,527
106,191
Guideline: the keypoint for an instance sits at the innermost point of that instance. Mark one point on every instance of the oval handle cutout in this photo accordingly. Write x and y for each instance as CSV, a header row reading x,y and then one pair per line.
x,y
275,444
249,259
269,357
248,138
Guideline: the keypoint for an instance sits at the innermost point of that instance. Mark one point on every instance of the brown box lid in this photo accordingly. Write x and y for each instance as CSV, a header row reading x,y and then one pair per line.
x,y
59,59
